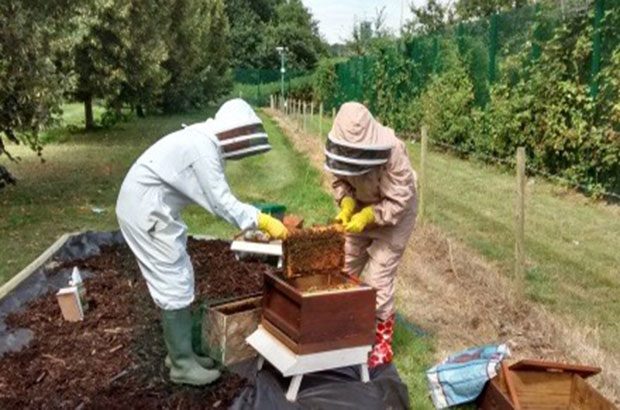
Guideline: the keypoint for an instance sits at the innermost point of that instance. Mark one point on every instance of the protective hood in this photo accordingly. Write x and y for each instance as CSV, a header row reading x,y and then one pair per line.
x,y
239,131
357,143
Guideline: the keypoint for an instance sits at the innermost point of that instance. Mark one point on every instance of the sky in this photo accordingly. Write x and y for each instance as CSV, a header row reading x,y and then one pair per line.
x,y
336,17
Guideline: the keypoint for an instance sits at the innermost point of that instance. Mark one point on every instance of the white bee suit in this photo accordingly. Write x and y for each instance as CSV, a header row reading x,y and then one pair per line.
x,y
182,168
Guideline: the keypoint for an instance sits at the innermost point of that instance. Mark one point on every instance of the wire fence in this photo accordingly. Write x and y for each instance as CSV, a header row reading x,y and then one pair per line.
x,y
560,251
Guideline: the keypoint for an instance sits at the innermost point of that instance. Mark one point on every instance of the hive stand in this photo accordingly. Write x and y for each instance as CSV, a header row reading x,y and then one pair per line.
x,y
269,249
290,364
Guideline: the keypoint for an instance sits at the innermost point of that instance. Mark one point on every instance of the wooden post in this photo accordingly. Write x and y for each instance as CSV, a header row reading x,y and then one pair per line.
x,y
311,122
321,119
423,183
271,101
520,221
333,113
305,116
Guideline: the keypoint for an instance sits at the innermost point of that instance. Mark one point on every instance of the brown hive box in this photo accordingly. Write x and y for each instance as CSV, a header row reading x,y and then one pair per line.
x,y
314,307
537,384
226,326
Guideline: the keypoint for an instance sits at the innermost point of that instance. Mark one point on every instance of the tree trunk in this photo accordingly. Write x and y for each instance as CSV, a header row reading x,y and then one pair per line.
x,y
140,111
88,113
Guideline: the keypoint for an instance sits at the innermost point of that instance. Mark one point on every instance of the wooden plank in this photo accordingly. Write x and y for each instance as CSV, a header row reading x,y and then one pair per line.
x,y
14,282
545,365
541,390
226,327
585,397
493,398
512,391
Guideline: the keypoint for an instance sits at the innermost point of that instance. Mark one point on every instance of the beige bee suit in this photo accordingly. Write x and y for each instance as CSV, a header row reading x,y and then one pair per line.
x,y
391,189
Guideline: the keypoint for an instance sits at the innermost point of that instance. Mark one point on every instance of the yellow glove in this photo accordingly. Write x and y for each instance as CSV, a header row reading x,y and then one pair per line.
x,y
360,220
272,226
347,206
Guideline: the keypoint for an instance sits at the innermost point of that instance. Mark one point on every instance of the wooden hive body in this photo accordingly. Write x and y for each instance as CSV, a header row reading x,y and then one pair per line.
x,y
316,307
533,384
226,326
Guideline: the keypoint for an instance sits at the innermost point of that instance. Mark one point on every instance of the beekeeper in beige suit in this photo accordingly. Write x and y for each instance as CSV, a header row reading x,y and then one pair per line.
x,y
375,187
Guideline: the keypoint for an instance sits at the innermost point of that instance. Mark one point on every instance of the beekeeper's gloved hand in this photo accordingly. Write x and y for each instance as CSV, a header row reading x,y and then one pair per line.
x,y
272,226
360,220
347,206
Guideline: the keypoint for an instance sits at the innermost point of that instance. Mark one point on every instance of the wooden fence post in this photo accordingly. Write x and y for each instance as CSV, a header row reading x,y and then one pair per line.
x,y
305,116
271,101
311,122
321,119
520,221
333,113
422,182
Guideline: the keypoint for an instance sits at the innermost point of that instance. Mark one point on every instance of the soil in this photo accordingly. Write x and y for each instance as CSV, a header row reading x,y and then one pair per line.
x,y
313,251
114,358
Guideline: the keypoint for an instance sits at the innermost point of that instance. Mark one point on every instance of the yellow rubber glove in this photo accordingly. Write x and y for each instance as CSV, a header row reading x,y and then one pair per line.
x,y
360,220
347,206
272,226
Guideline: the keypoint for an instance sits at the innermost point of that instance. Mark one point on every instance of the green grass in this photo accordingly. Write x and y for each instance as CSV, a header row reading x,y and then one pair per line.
x,y
413,355
572,244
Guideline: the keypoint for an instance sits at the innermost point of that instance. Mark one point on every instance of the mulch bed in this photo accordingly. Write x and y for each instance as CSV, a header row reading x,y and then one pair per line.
x,y
114,358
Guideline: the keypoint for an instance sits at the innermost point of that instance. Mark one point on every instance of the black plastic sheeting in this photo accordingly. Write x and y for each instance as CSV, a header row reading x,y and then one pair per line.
x,y
334,389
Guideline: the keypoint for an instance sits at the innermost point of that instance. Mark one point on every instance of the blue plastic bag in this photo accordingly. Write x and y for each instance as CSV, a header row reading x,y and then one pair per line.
x,y
461,377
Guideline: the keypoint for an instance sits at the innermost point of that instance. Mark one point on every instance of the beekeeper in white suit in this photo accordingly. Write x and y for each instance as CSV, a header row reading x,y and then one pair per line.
x,y
182,168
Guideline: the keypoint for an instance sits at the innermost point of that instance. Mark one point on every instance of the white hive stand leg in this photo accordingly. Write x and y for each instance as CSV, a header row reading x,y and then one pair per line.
x,y
364,373
260,362
293,388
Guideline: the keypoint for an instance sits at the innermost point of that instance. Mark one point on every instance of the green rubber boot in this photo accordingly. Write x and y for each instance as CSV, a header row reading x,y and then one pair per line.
x,y
184,368
203,361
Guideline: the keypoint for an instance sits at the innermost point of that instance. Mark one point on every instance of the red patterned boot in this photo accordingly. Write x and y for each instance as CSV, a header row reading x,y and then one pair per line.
x,y
382,350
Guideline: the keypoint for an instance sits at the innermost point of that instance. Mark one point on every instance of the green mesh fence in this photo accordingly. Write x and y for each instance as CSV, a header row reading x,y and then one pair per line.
x,y
485,44
257,84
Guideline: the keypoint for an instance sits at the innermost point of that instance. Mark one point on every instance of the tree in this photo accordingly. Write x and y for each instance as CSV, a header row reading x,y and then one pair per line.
x,y
293,27
32,78
467,9
248,21
198,58
427,19
98,56
368,32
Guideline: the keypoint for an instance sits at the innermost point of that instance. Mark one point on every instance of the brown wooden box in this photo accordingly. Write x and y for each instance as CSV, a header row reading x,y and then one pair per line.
x,y
226,326
534,384
318,321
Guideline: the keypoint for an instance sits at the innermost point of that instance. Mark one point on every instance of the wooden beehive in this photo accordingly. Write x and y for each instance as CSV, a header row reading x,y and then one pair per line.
x,y
340,316
226,326
535,384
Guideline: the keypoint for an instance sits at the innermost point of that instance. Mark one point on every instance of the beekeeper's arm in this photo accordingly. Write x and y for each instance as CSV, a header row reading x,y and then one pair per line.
x,y
397,186
210,175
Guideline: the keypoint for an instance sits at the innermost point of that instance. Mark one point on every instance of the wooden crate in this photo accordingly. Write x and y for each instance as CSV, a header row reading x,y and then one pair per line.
x,y
226,326
534,384
318,321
